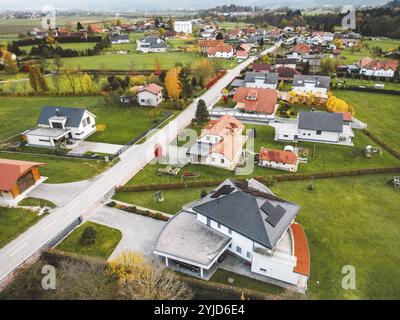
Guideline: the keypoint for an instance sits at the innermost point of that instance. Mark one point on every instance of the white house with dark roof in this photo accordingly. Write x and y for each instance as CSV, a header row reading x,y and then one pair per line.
x,y
245,220
266,80
56,124
308,83
151,44
316,126
119,38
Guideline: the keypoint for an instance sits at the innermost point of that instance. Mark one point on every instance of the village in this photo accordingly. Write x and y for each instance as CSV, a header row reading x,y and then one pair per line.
x,y
232,153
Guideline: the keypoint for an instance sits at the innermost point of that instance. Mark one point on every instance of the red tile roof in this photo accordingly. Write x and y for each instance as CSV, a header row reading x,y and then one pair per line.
x,y
11,170
379,65
287,72
213,50
301,48
152,88
211,43
257,99
301,250
261,67
286,157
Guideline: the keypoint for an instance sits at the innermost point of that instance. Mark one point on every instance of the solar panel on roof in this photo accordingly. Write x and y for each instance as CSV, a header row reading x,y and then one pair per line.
x,y
267,207
225,189
276,215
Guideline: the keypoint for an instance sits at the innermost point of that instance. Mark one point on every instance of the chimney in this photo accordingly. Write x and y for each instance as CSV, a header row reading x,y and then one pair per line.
x,y
58,112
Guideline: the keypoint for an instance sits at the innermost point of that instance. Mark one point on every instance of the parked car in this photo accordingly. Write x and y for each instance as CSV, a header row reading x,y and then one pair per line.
x,y
187,266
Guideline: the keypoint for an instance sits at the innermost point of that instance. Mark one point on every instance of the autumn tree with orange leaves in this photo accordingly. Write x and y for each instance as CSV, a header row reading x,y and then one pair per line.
x,y
172,83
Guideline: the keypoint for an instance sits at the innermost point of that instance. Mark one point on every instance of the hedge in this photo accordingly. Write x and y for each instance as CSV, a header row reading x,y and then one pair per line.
x,y
134,209
265,179
370,90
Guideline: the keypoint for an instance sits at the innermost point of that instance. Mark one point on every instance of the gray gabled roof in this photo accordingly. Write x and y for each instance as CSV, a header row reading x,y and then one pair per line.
x,y
320,81
241,210
119,37
199,148
154,42
268,77
74,115
285,61
317,120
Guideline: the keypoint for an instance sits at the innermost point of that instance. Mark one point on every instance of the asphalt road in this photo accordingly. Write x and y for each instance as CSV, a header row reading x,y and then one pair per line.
x,y
132,161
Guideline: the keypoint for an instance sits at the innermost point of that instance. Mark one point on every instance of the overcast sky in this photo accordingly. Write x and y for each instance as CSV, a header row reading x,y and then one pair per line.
x,y
117,5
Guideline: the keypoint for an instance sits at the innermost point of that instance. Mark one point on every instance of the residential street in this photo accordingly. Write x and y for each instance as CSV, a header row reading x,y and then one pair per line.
x,y
132,161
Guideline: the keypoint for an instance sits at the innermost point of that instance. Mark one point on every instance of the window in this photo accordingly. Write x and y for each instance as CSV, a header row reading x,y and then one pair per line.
x,y
319,131
229,231
84,122
238,249
219,225
208,138
88,120
263,270
212,159
248,255
222,161
57,125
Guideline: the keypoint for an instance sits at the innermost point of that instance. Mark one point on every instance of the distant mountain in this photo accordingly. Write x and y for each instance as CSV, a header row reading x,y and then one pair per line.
x,y
119,5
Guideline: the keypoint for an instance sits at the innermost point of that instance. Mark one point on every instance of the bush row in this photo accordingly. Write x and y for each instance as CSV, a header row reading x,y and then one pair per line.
x,y
55,256
370,90
383,144
134,209
268,180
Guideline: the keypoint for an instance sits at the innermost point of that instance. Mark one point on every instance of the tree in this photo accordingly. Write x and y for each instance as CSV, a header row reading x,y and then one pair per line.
x,y
306,68
139,279
184,75
58,62
79,26
202,114
87,83
203,69
328,66
36,79
219,36
70,74
88,236
9,62
173,84
335,104
157,67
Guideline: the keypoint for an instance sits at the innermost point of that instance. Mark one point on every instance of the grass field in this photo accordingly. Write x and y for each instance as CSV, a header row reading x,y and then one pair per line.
x,y
171,204
325,157
106,241
368,83
33,202
379,111
350,221
122,124
13,222
61,170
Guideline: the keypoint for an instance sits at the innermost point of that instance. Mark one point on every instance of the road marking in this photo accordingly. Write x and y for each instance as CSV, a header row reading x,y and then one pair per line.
x,y
18,249
49,225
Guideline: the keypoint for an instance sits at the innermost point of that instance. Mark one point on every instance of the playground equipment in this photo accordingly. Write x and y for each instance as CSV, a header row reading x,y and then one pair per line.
x,y
169,170
158,197
369,150
396,182
190,174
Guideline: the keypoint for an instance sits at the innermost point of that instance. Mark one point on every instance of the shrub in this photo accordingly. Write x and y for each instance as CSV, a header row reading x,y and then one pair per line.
x,y
112,204
88,236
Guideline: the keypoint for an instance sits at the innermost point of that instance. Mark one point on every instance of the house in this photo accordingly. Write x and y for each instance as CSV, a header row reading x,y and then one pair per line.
x,y
286,73
151,44
316,126
309,83
385,68
266,80
220,143
256,100
324,36
298,51
235,34
183,27
241,54
224,51
17,179
313,60
57,124
205,45
241,223
119,38
285,62
277,159
149,95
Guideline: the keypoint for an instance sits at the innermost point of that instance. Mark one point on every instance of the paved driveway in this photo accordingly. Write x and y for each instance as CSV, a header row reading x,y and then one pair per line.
x,y
59,193
139,233
81,147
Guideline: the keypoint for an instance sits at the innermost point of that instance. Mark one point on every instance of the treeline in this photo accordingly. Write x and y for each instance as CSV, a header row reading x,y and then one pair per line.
x,y
49,50
33,42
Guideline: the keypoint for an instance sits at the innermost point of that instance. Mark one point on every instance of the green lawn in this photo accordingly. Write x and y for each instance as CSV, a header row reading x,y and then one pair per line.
x,y
61,170
171,204
13,222
222,276
106,241
368,83
350,221
379,111
33,202
122,124
325,157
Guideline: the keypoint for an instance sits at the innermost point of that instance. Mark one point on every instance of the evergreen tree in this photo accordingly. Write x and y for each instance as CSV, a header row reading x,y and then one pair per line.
x,y
202,114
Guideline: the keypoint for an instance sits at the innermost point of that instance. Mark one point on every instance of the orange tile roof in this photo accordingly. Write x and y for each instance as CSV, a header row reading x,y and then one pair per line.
x,y
152,88
301,48
287,157
241,53
11,170
230,130
213,50
257,99
301,250
211,43
385,65
347,116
